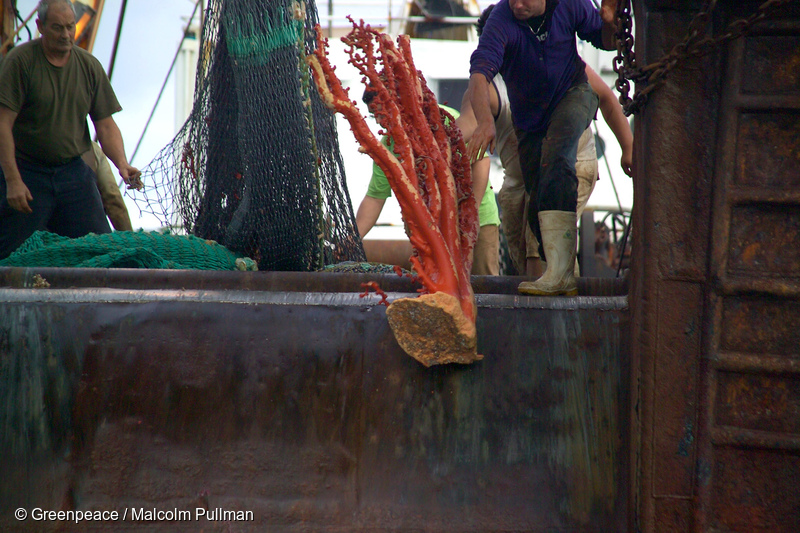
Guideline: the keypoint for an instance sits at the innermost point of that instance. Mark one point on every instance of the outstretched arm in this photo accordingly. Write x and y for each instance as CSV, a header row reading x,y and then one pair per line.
x,y
483,137
368,213
466,121
110,139
614,117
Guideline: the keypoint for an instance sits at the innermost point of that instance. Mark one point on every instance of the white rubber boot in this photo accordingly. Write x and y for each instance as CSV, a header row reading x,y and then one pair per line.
x,y
559,239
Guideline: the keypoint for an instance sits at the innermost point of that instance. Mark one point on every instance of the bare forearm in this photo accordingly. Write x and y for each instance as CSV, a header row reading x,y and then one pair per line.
x,y
466,120
480,178
110,139
483,137
479,99
368,213
614,117
616,120
8,160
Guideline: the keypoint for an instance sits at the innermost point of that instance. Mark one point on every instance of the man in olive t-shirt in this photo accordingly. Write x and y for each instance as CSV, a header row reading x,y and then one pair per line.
x,y
47,89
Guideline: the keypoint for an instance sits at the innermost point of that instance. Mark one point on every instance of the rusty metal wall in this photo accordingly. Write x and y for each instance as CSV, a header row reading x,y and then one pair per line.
x,y
715,290
301,407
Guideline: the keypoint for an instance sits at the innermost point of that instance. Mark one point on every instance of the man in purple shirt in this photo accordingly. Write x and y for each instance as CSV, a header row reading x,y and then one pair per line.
x,y
532,44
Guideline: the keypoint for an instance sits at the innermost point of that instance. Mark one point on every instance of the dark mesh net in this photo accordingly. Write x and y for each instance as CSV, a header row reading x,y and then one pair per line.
x,y
257,166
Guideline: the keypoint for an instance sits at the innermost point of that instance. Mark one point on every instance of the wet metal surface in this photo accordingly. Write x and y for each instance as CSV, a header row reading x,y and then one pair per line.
x,y
301,407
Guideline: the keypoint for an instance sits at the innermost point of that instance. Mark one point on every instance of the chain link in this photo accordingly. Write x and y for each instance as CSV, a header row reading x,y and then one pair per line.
x,y
650,77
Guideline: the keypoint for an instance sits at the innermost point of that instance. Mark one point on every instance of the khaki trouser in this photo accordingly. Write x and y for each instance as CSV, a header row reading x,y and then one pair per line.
x,y
486,254
114,205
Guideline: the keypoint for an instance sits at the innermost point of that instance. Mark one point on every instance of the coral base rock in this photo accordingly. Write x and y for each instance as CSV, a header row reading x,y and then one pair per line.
x,y
433,330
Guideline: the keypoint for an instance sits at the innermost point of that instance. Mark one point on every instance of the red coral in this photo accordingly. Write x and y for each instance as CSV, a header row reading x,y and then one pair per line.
x,y
375,287
427,167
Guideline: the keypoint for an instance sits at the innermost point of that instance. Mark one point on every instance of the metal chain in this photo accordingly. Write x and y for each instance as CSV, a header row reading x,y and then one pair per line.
x,y
652,76
625,61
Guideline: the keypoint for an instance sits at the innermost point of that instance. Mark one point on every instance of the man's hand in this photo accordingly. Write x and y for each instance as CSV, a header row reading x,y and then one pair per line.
x,y
132,177
627,163
482,142
18,196
608,11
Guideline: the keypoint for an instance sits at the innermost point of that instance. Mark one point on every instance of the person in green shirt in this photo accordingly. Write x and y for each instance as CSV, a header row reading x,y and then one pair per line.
x,y
48,87
486,254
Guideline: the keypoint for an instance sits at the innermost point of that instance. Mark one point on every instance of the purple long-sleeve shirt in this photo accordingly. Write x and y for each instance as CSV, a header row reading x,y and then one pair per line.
x,y
537,73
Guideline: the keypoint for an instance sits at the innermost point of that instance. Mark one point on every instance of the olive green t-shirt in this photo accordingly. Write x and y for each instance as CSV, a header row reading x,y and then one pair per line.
x,y
379,187
53,102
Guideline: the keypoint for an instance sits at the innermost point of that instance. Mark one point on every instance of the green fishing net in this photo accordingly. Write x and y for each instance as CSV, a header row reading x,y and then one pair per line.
x,y
126,249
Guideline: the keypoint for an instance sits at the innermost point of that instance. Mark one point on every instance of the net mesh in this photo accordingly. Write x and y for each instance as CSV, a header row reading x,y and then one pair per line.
x,y
126,249
256,167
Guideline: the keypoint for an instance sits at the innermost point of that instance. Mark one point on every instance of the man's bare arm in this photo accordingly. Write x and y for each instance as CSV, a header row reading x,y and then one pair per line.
x,y
483,138
614,117
368,213
17,193
466,120
110,139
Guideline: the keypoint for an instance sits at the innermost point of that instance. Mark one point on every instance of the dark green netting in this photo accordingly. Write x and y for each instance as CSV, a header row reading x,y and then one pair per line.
x,y
126,249
364,267
257,165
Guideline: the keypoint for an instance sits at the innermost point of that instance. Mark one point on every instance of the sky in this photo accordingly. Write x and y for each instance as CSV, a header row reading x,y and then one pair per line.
x,y
151,33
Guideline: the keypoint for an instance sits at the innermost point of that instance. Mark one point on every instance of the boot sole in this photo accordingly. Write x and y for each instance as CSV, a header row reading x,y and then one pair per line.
x,y
537,292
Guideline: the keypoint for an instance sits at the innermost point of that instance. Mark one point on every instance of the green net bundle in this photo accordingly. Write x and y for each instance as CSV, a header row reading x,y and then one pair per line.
x,y
257,167
126,249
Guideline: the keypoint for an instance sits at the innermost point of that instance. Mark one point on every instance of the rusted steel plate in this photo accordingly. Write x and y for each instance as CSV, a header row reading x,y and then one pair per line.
x,y
676,388
301,408
773,164
772,64
678,157
672,515
761,325
756,491
716,209
759,402
763,240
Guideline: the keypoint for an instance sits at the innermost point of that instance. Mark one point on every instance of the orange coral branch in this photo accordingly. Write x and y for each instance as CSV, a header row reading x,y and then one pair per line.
x,y
426,168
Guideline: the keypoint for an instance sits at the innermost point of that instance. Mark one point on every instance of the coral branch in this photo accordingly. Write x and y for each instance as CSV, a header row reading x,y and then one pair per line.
x,y
429,173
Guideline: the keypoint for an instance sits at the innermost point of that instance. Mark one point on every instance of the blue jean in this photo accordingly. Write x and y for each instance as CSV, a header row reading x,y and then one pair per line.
x,y
65,201
548,157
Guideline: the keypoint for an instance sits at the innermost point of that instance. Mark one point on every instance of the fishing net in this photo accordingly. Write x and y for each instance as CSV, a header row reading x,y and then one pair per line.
x,y
256,167
126,249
